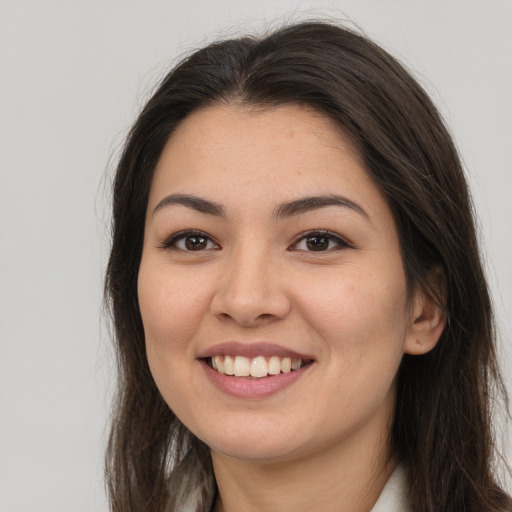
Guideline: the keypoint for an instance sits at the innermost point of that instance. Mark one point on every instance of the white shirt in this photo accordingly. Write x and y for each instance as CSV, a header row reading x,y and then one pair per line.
x,y
393,498
395,495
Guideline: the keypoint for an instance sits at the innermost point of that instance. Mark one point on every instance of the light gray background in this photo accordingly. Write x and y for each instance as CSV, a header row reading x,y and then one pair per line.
x,y
73,75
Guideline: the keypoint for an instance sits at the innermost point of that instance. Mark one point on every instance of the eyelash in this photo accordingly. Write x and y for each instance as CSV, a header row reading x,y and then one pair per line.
x,y
322,234
172,242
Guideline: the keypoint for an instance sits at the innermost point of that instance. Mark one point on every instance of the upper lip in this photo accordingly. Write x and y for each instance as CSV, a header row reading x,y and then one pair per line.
x,y
251,350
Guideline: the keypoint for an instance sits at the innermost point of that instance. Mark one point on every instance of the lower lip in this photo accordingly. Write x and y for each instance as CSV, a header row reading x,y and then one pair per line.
x,y
243,387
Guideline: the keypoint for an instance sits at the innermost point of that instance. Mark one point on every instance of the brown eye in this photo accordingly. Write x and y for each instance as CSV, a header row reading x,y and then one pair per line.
x,y
196,243
320,241
317,243
190,241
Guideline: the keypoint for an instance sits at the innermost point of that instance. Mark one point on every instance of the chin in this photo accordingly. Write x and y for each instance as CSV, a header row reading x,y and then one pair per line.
x,y
267,453
258,445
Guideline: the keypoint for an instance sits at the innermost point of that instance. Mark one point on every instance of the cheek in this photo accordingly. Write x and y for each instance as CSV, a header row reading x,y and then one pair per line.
x,y
171,306
361,323
357,312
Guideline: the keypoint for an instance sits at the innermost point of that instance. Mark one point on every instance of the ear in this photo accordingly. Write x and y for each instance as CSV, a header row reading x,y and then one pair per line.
x,y
428,315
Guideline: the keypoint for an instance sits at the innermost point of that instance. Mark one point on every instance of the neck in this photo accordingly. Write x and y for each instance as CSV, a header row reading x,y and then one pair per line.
x,y
348,477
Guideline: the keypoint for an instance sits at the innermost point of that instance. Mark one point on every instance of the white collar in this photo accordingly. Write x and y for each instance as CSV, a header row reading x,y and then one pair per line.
x,y
395,495
393,498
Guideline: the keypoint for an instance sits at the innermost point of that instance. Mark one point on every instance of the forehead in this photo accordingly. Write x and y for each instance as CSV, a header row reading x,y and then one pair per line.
x,y
235,153
228,128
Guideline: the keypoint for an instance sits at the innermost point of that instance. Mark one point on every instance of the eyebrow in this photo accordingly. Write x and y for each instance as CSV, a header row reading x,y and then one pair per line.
x,y
192,202
307,204
288,209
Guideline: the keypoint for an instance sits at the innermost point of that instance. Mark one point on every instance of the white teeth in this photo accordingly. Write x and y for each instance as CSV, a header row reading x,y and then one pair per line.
x,y
296,364
229,366
274,365
218,363
242,366
257,367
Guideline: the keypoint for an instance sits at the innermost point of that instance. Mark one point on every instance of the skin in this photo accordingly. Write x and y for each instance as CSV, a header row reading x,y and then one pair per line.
x,y
257,280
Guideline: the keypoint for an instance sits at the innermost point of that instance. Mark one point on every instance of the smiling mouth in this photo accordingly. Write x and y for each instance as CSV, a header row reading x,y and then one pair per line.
x,y
257,367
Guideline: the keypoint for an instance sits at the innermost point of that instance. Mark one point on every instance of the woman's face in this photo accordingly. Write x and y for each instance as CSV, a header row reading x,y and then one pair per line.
x,y
268,251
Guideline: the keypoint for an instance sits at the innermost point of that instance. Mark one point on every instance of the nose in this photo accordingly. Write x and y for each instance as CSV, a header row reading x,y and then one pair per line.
x,y
251,291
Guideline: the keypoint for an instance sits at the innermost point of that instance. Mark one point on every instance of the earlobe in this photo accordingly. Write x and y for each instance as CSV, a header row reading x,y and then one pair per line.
x,y
428,318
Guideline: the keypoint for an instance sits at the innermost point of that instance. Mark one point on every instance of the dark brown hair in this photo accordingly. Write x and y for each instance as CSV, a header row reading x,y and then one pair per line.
x,y
442,425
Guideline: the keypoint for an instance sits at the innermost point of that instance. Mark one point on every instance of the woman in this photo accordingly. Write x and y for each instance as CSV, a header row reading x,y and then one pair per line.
x,y
301,316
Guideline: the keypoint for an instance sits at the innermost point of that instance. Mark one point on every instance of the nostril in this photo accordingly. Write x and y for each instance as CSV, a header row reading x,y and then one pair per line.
x,y
250,306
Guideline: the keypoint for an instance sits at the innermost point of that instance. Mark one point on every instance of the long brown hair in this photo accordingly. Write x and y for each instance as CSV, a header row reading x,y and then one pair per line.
x,y
442,426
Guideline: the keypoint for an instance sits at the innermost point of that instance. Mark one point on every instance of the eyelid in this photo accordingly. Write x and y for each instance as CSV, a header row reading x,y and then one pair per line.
x,y
170,242
342,242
